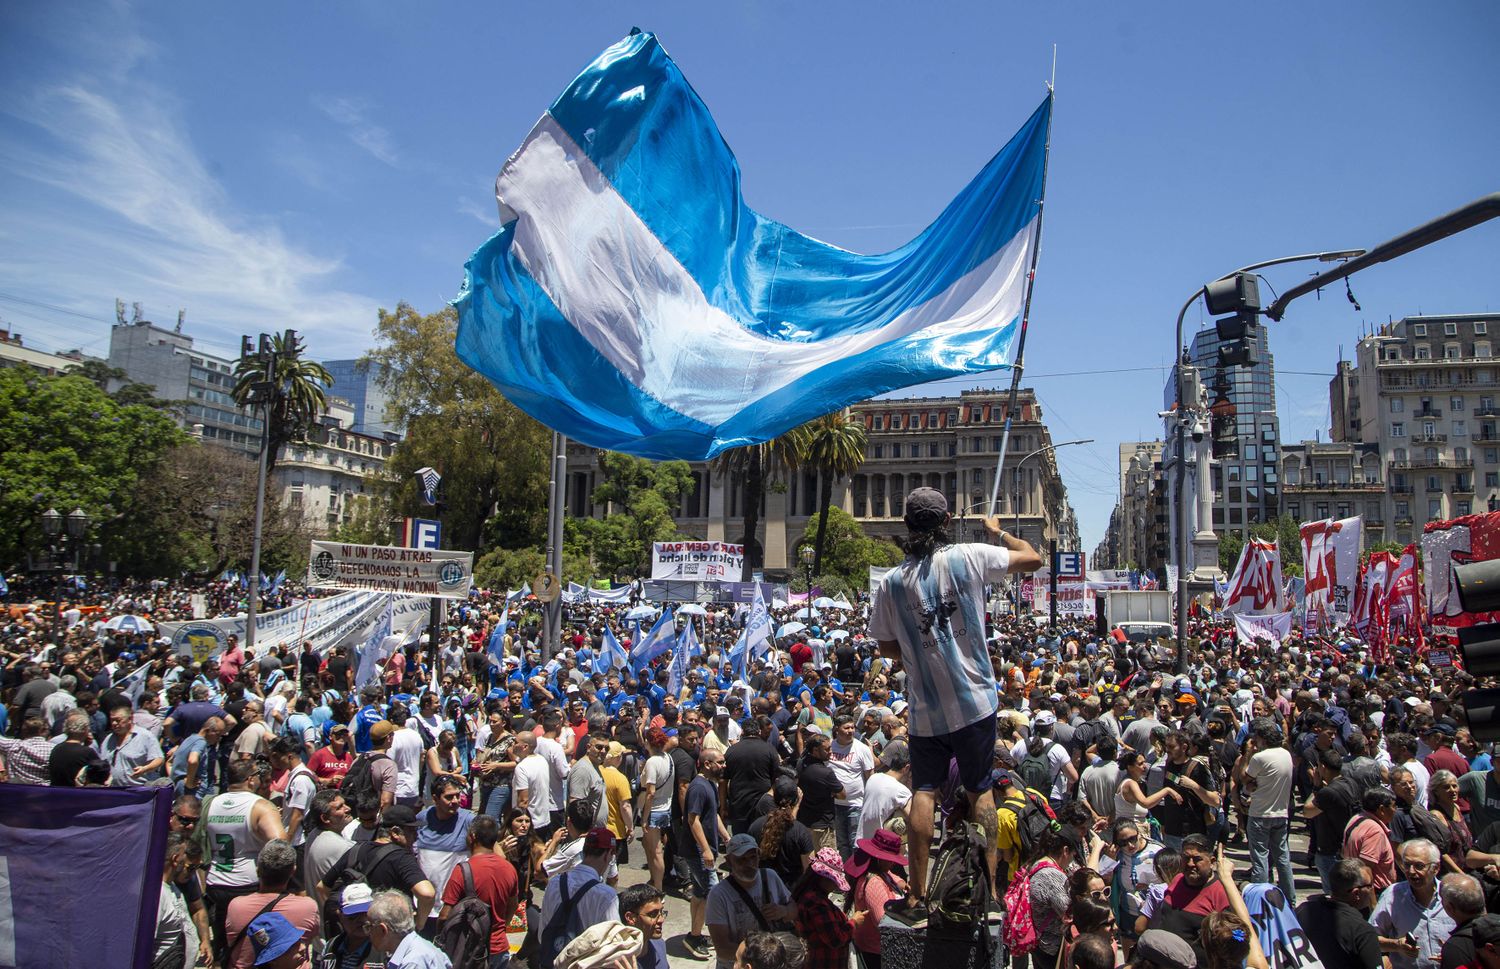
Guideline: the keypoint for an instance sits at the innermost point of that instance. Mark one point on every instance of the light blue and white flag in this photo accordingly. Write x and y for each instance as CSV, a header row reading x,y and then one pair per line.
x,y
661,638
611,654
496,647
370,657
134,685
687,644
756,637
631,300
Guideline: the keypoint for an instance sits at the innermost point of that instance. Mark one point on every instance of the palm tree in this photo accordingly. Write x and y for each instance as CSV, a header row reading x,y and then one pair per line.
x,y
835,449
755,465
299,400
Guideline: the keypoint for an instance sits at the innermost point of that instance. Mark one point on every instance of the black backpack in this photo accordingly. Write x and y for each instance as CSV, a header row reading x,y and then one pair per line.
x,y
1036,771
958,898
360,779
565,925
1429,826
464,935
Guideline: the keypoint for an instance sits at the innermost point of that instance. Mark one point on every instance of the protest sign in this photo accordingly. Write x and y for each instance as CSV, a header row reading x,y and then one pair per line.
x,y
401,571
696,560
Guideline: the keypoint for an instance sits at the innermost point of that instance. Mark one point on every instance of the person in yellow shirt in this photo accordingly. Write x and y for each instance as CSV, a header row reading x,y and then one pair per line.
x,y
1007,838
617,794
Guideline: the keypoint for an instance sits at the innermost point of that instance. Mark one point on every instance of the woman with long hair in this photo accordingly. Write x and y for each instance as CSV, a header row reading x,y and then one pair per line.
x,y
1131,800
494,764
873,866
1086,883
786,844
443,761
523,849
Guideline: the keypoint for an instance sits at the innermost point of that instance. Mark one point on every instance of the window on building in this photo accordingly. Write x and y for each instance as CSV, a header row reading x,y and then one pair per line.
x,y
1450,329
1492,455
1460,454
1482,351
1460,429
952,449
1341,510
1403,509
1234,493
895,450
995,444
1452,351
1294,509
878,451
1267,432
1432,483
1233,472
1463,507
1492,479
1484,376
1434,509
1481,328
1321,510
1398,405
952,417
878,422
932,450
1456,403
1398,429
1219,516
1392,353
932,420
1422,352
1429,429
1236,516
1419,329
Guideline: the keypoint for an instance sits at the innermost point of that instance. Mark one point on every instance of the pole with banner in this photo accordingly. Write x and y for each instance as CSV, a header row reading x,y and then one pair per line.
x,y
1052,585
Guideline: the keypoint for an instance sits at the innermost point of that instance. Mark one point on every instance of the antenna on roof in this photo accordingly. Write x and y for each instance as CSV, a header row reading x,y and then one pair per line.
x,y
120,311
180,315
136,314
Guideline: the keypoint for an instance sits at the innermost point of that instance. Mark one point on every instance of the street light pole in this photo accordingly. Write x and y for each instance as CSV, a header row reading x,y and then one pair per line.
x,y
1179,441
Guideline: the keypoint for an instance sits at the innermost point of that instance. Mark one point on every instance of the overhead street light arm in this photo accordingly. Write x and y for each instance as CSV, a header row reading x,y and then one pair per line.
x,y
1479,211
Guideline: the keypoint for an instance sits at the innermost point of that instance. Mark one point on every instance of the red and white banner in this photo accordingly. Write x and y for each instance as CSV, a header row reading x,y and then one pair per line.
x,y
1369,615
1403,597
1255,589
1330,556
1445,544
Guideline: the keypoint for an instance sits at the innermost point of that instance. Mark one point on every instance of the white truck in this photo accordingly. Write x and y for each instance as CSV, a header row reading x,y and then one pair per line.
x,y
1142,616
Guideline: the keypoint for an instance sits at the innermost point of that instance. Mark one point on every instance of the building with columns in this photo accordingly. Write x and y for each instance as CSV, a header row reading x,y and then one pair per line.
x,y
947,443
1137,533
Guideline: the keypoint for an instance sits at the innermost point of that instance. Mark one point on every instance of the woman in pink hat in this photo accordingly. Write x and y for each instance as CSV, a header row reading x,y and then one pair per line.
x,y
876,885
821,924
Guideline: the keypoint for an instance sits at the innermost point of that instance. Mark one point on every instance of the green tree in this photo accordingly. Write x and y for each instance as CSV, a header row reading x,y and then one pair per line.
x,y
494,459
756,466
835,448
505,569
1394,547
1285,530
64,443
643,494
850,552
298,402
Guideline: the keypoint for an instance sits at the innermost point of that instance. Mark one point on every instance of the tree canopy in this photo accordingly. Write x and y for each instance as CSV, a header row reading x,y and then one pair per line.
x,y
848,555
643,496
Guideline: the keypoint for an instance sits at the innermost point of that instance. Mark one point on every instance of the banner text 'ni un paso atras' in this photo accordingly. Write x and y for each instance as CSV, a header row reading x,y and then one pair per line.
x,y
696,560
382,568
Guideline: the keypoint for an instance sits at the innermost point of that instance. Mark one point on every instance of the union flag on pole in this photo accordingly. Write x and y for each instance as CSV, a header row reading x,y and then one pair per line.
x,y
1255,588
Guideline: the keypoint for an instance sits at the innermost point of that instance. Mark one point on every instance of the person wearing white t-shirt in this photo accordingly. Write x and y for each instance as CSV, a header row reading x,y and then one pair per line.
x,y
1059,762
928,612
656,799
1265,770
407,751
550,747
852,763
531,783
887,793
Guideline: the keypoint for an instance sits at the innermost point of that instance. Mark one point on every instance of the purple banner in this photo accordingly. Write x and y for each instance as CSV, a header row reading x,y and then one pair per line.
x,y
80,874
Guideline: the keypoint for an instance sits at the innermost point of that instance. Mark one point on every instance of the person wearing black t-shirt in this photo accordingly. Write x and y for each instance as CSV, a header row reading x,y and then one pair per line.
x,y
1340,935
819,787
789,847
1335,800
750,764
388,861
1191,779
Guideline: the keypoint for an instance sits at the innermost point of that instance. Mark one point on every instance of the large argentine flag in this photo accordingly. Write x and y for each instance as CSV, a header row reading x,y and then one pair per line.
x,y
634,302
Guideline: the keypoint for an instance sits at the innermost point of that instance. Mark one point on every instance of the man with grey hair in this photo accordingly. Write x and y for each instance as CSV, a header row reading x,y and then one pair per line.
x,y
1463,900
74,753
274,866
56,706
1411,908
391,925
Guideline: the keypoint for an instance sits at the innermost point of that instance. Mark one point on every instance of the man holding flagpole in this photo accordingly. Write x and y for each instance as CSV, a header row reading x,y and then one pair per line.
x,y
929,613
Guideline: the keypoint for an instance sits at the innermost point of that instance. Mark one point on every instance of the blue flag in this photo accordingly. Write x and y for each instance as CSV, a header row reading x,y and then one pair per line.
x,y
611,654
4,586
657,641
496,647
687,645
633,301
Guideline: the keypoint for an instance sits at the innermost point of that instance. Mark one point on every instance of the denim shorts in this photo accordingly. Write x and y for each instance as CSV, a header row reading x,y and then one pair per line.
x,y
973,746
690,869
660,819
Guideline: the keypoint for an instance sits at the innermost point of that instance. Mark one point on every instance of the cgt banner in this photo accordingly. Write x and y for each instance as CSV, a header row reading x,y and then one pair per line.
x,y
696,560
115,839
1445,544
401,571
334,621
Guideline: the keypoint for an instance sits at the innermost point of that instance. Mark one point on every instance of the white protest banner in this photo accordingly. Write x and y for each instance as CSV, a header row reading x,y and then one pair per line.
x,y
1073,598
380,568
877,572
696,560
334,621
199,603
1330,554
1256,586
1252,629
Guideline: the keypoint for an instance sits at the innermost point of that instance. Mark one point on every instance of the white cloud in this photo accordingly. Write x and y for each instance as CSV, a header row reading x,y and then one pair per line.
x,y
120,203
354,115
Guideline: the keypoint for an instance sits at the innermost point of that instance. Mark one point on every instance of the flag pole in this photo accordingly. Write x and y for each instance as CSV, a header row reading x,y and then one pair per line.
x,y
1019,367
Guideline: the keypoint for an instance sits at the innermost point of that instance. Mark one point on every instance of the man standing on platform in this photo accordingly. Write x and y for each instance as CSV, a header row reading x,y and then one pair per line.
x,y
929,613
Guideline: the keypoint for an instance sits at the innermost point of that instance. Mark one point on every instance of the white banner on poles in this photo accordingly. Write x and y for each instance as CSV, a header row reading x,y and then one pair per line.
x,y
1252,629
400,571
697,560
334,621
1256,588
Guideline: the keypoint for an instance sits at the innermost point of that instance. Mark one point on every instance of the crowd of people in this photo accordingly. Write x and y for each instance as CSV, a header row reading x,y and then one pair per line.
x,y
455,811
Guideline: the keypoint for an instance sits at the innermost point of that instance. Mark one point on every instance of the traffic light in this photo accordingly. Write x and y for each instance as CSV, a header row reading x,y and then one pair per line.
x,y
289,344
1239,332
1479,591
1222,421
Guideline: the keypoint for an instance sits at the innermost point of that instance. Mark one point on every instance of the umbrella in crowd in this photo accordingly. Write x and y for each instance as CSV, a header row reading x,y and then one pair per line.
x,y
129,623
692,609
824,602
838,634
792,628
643,611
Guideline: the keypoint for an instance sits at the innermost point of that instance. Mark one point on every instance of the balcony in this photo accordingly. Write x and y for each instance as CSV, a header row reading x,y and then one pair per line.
x,y
1427,412
1403,489
1462,488
1430,438
1486,437
1487,411
1431,464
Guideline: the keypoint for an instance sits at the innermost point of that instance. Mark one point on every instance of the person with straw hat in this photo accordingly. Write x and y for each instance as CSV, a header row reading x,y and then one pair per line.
x,y
876,884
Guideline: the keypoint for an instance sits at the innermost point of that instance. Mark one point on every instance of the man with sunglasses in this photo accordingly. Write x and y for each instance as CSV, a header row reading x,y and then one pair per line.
x,y
184,820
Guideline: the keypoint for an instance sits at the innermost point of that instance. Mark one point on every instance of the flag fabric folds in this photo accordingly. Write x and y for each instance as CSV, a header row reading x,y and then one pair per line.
x,y
1330,555
632,301
369,659
611,654
687,645
643,649
496,646
1256,588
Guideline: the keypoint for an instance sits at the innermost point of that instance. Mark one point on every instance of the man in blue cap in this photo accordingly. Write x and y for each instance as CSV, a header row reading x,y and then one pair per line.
x,y
278,943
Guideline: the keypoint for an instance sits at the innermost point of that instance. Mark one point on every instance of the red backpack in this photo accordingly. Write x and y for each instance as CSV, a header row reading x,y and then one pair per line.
x,y
1020,932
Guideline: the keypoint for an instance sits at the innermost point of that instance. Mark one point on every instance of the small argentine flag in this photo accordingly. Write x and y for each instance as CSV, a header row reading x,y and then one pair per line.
x,y
632,301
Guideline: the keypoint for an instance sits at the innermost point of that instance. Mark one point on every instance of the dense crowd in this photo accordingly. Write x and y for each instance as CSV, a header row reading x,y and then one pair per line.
x,y
454,811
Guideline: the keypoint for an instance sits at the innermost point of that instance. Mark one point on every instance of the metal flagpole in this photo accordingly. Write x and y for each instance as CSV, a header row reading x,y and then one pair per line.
x,y
1019,367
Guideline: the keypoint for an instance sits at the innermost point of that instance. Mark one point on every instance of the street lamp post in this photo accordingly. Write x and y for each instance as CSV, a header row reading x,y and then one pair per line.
x,y
1205,537
62,534
807,554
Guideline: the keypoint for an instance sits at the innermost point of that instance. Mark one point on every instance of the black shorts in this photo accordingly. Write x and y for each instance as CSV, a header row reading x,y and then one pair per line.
x,y
973,747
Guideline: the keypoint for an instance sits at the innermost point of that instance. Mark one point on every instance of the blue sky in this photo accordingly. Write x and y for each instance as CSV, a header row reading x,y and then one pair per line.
x,y
280,164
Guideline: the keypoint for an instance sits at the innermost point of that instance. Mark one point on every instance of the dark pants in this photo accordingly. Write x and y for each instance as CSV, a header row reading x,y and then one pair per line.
x,y
218,898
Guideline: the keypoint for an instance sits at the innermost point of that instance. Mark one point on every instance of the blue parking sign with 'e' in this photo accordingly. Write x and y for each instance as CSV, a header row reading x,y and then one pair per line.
x,y
1070,565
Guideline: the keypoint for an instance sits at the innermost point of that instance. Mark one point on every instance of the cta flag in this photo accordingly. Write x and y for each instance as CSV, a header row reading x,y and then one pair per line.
x,y
113,837
1255,588
1369,615
1330,557
633,301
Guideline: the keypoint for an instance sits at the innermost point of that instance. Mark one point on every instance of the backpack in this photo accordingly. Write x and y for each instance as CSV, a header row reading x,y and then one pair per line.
x,y
564,926
1035,771
1019,931
464,935
959,889
1430,826
1033,821
360,779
